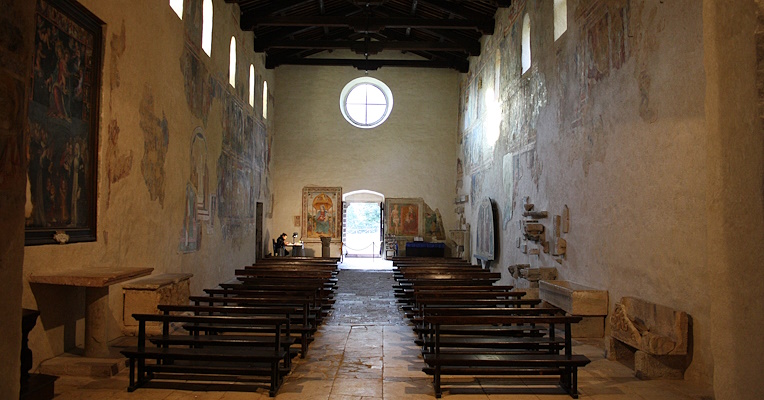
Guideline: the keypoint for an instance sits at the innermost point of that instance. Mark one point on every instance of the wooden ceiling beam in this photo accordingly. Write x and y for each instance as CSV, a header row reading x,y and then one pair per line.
x,y
372,47
366,65
250,21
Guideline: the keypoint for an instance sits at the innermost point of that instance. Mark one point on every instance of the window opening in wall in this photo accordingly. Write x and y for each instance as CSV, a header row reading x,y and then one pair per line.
x,y
251,85
366,102
177,6
265,99
207,27
526,43
560,18
232,63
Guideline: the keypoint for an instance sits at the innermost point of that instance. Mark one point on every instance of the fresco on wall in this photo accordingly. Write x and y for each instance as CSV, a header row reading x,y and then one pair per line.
x,y
605,26
191,237
117,45
236,192
321,212
508,177
192,20
404,217
200,87
156,138
433,224
118,165
484,234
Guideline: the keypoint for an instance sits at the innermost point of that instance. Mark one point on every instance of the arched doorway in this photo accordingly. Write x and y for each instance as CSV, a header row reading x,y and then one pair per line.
x,y
362,229
362,224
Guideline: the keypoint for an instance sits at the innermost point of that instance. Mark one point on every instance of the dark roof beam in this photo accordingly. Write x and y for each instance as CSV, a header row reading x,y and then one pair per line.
x,y
366,65
362,24
373,46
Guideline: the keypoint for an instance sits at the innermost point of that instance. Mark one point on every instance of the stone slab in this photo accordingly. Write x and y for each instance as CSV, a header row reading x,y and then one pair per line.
x,y
649,327
574,298
75,365
155,282
90,277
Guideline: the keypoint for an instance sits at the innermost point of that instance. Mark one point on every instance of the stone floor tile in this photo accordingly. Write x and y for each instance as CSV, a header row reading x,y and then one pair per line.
x,y
357,387
414,389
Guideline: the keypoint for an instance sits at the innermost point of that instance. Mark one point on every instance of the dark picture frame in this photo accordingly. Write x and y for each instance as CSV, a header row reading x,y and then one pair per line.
x,y
63,117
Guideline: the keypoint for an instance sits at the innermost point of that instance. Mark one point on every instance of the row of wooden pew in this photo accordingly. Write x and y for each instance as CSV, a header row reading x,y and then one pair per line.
x,y
467,324
249,327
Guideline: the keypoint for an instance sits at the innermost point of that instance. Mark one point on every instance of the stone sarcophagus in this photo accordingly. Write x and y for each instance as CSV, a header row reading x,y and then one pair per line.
x,y
575,299
655,336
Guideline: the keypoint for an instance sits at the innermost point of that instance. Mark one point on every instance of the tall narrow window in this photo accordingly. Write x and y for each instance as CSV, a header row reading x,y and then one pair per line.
x,y
177,6
207,27
526,44
265,100
251,85
560,18
232,63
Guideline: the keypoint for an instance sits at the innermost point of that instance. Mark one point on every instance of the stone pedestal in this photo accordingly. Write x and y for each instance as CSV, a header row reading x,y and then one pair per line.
x,y
142,296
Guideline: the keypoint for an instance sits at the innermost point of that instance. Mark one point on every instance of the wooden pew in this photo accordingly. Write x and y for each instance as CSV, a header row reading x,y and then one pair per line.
x,y
303,326
178,362
477,351
264,337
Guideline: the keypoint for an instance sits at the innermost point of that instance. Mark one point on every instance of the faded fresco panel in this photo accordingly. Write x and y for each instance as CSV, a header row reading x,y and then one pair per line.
x,y
156,139
237,193
485,237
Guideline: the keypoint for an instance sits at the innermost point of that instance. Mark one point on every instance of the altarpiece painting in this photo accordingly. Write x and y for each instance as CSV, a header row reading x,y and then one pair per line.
x,y
63,124
321,213
404,217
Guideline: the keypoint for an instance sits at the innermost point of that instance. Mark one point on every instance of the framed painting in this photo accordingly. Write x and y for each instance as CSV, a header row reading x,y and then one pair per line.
x,y
63,111
404,217
321,213
485,236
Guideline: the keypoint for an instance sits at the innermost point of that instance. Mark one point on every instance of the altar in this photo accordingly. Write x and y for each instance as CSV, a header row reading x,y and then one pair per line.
x,y
96,282
425,249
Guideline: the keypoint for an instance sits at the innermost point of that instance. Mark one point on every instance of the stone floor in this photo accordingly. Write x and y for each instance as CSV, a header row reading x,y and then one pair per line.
x,y
365,350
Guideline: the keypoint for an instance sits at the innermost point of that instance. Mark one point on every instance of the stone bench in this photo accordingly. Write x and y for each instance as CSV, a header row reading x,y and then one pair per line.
x,y
142,296
652,337
579,300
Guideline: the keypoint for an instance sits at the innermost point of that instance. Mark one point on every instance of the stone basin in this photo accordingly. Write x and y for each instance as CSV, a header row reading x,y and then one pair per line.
x,y
575,299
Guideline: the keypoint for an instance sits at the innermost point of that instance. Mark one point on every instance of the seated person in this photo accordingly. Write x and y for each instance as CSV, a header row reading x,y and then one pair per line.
x,y
281,244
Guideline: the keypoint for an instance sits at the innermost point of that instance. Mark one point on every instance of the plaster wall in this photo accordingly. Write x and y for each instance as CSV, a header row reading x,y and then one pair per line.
x,y
409,155
610,121
735,207
170,125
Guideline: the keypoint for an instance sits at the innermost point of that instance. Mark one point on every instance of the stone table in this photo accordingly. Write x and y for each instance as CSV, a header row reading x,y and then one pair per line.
x,y
96,282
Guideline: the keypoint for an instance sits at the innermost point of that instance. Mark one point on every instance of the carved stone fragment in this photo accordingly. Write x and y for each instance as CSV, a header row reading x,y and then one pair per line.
x,y
536,214
565,219
652,328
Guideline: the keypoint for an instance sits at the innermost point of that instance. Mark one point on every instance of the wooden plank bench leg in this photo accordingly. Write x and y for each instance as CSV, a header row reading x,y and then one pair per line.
x,y
131,387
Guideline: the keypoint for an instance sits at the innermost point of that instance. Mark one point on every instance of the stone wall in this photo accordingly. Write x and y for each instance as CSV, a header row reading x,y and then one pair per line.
x,y
408,156
182,161
612,121
16,48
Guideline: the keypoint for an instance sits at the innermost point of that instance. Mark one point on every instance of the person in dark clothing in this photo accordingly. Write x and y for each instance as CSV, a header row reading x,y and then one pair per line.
x,y
281,244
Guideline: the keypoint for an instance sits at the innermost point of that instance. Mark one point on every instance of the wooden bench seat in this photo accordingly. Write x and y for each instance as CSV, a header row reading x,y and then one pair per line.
x,y
177,361
303,326
466,345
